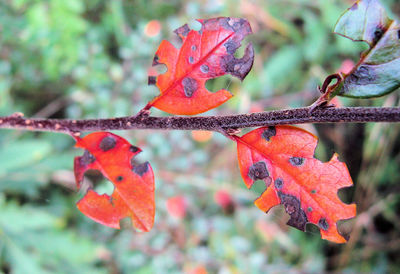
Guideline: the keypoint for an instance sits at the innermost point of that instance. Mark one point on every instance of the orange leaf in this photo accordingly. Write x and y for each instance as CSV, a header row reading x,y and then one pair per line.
x,y
204,55
133,194
283,157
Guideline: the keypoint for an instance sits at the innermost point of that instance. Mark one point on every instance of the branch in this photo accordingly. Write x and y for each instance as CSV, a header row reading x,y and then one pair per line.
x,y
211,123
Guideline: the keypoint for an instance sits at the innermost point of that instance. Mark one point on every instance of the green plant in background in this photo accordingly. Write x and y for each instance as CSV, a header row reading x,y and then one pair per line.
x,y
80,56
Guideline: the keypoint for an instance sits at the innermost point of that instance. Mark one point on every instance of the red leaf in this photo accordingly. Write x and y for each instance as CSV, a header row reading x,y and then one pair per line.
x,y
133,194
283,157
204,55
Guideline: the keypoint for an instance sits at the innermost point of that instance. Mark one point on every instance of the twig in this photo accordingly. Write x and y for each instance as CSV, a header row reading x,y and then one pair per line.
x,y
211,123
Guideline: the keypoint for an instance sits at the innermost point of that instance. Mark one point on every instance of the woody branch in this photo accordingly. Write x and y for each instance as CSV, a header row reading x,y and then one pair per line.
x,y
211,123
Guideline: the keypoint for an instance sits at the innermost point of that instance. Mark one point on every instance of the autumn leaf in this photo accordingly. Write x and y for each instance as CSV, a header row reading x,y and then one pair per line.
x,y
283,157
378,71
133,194
204,55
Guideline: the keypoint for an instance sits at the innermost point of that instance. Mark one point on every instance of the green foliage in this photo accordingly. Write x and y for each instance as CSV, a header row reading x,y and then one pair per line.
x,y
35,241
378,72
80,59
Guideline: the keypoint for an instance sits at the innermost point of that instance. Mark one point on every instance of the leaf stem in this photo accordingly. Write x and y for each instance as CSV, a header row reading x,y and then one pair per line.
x,y
211,123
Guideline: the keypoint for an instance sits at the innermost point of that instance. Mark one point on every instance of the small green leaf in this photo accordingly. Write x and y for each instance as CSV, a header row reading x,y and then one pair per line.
x,y
365,21
378,72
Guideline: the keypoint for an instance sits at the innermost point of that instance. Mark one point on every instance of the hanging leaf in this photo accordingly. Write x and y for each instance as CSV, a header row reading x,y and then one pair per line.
x,y
133,194
378,71
204,55
283,157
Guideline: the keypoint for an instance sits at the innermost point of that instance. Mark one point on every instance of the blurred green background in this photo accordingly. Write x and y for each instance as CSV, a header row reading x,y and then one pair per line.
x,y
90,59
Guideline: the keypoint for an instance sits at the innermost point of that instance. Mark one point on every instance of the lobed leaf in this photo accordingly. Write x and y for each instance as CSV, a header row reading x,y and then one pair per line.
x,y
378,71
204,55
133,194
283,157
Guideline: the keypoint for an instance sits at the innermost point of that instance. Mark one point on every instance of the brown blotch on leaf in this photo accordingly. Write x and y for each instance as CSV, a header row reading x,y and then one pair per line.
x,y
377,34
362,76
87,158
231,46
182,31
107,143
398,34
268,133
140,169
235,24
238,67
258,171
133,149
189,86
297,161
278,183
323,224
155,60
298,218
151,80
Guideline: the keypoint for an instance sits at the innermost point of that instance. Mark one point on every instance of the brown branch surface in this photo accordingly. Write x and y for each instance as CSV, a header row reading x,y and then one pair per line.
x,y
211,123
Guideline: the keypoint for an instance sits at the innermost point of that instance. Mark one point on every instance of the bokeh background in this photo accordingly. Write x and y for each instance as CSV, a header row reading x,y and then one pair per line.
x,y
91,58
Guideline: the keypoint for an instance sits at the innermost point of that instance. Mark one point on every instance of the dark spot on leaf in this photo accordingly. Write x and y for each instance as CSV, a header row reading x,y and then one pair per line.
x,y
189,86
309,209
238,67
234,24
204,68
151,80
278,183
141,169
231,46
191,59
155,60
133,149
194,47
182,31
398,34
120,178
378,34
298,218
296,161
323,224
258,171
299,22
107,143
313,191
87,158
362,76
268,133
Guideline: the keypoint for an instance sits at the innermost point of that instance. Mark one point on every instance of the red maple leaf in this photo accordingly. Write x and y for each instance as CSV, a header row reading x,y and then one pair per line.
x,y
204,55
283,157
133,194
